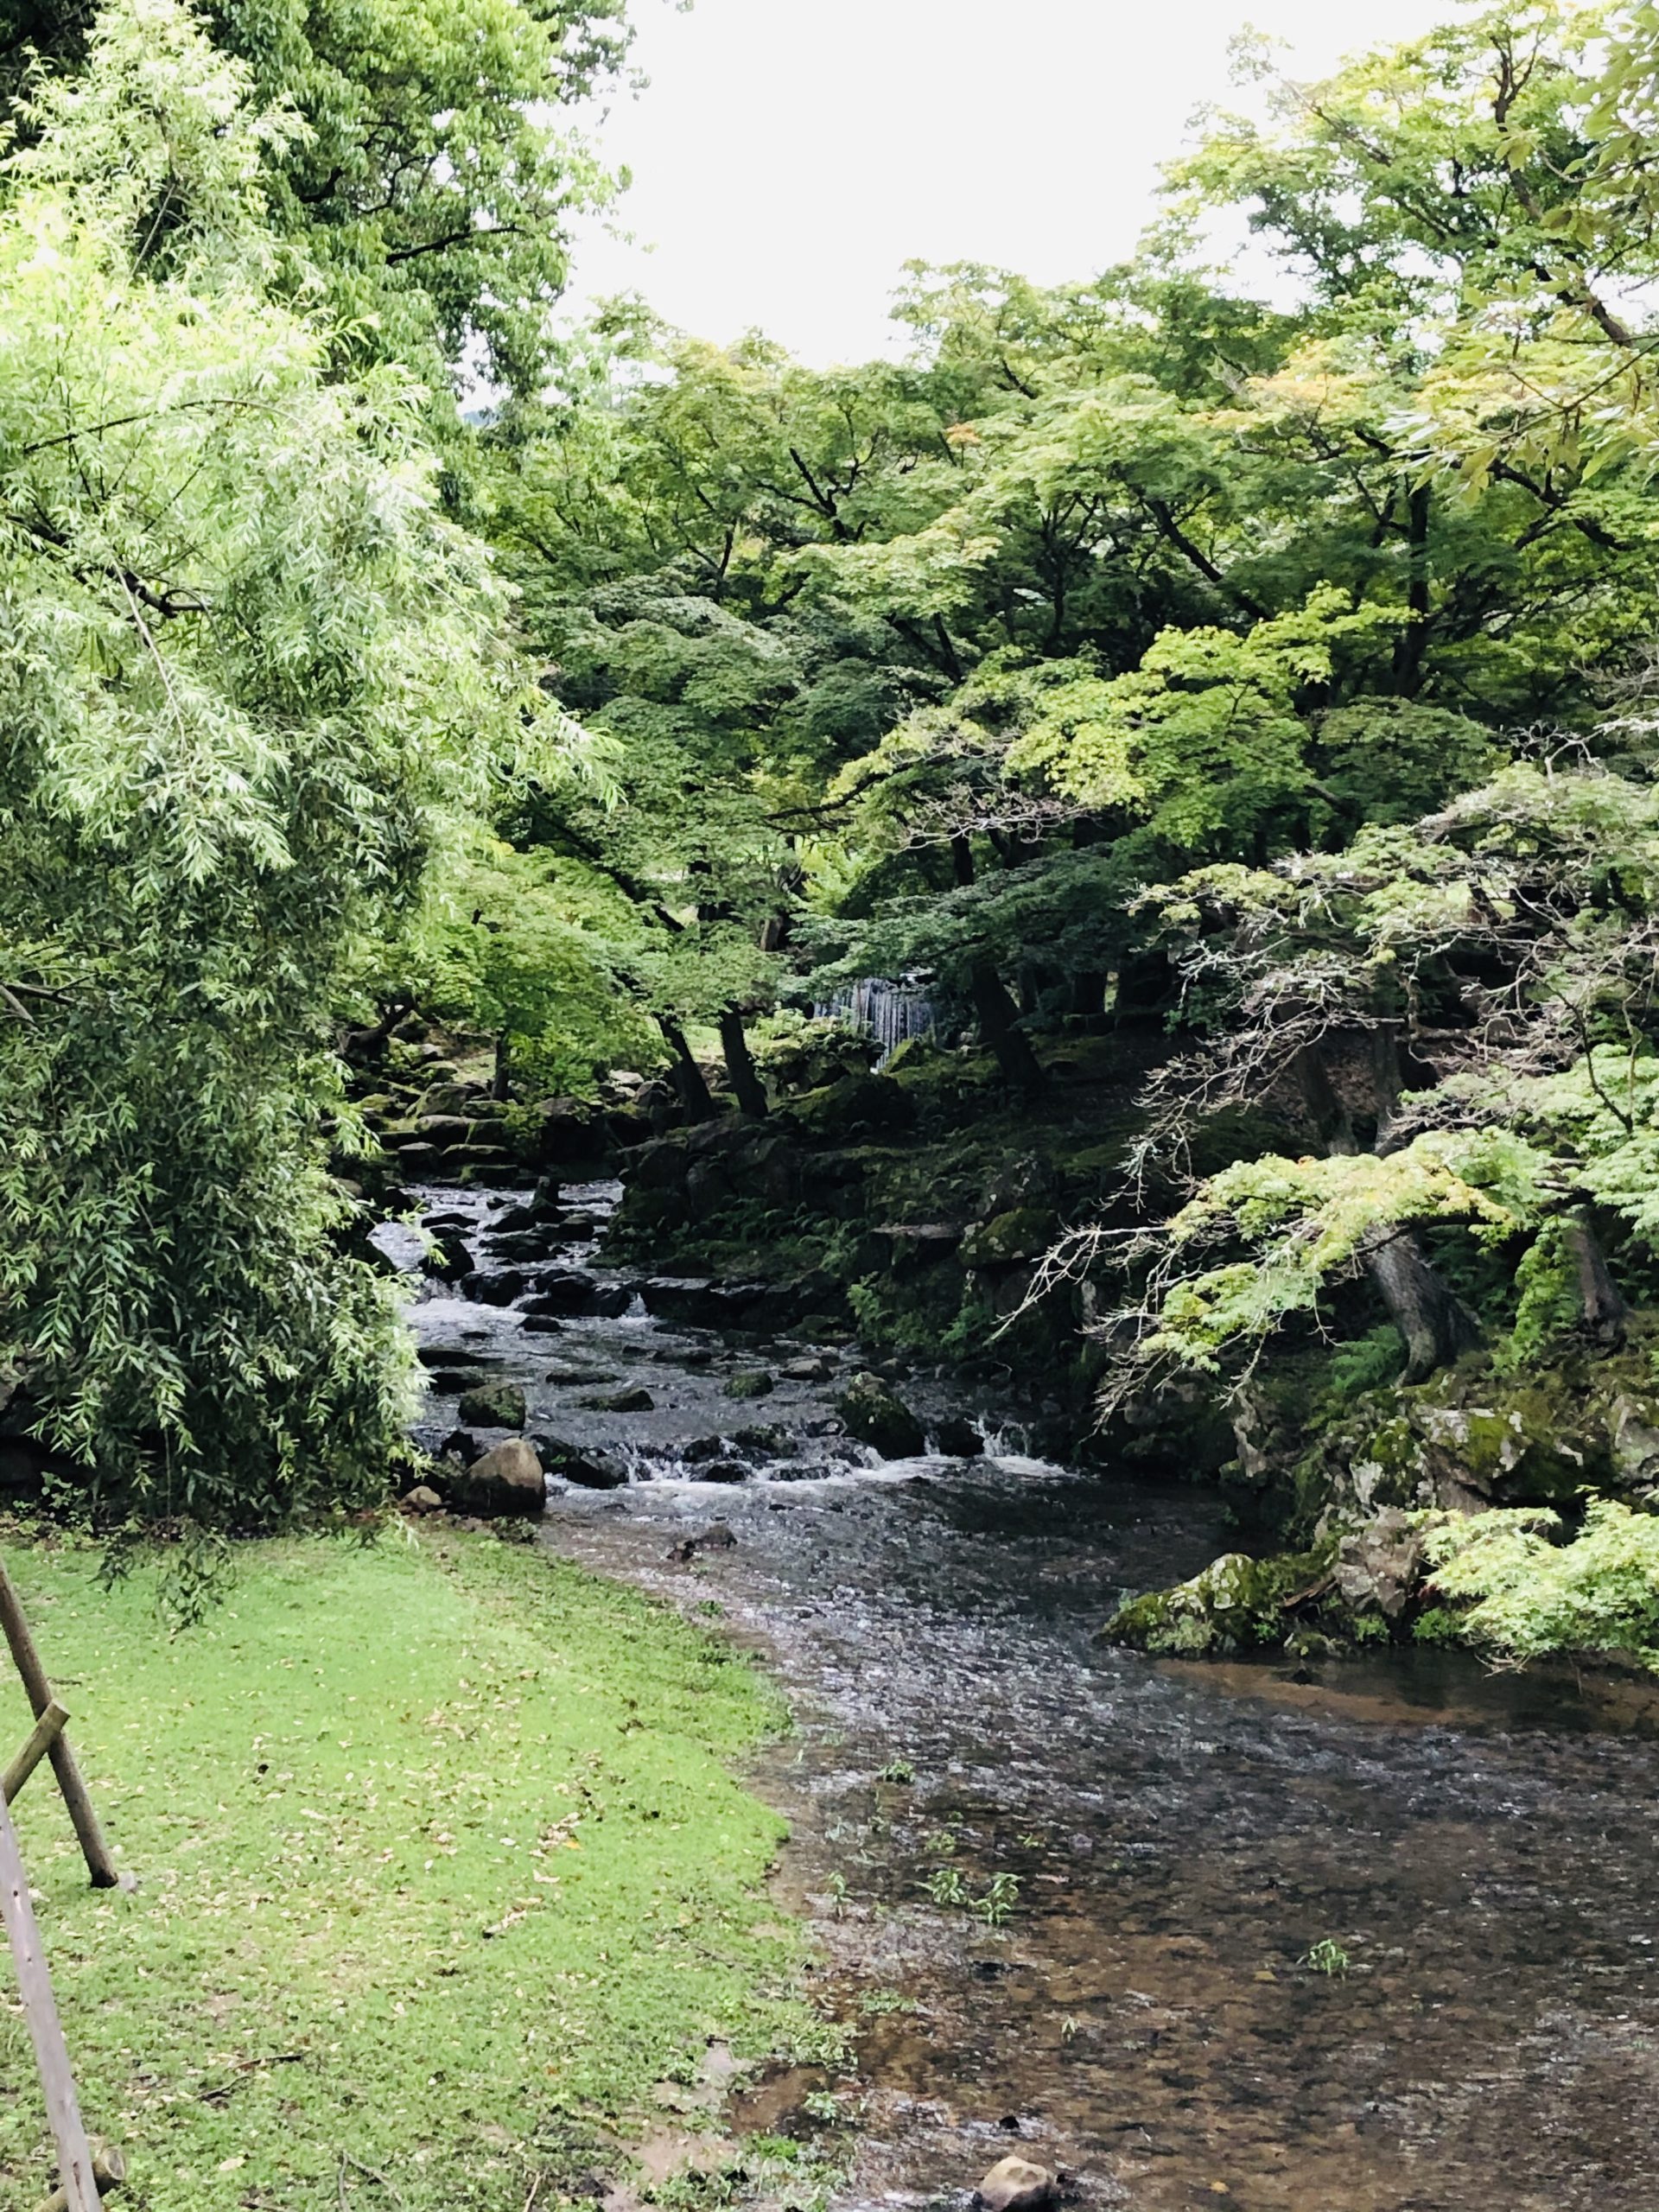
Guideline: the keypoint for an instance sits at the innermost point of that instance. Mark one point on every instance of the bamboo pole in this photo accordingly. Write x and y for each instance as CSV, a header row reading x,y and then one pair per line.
x,y
99,1865
78,2187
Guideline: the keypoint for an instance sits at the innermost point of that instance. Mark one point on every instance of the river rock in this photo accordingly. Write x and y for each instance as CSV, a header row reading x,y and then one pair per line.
x,y
422,1499
957,1439
807,1370
494,1405
749,1383
635,1401
506,1480
716,1538
499,1287
876,1416
1016,2184
576,1463
449,1260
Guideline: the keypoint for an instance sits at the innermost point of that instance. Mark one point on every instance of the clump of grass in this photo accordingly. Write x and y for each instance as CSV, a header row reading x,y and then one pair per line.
x,y
435,1844
1327,1957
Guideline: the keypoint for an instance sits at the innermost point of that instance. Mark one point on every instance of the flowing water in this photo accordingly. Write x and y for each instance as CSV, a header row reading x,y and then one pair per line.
x,y
1174,1841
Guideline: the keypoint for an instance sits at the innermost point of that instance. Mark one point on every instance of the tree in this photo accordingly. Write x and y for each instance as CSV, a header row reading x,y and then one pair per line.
x,y
432,185
248,667
1460,1015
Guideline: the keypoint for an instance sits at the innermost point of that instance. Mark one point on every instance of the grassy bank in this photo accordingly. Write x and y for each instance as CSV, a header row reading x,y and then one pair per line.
x,y
441,1867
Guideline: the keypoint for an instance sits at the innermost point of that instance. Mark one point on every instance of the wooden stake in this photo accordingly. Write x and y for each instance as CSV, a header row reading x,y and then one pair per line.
x,y
94,1850
45,1733
108,2172
78,2187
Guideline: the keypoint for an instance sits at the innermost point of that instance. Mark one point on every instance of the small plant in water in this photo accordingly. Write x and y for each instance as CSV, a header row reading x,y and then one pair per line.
x,y
897,1771
996,1906
875,2004
1327,1957
945,1885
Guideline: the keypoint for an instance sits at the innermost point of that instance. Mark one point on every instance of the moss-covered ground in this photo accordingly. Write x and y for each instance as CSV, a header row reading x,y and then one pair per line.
x,y
442,1869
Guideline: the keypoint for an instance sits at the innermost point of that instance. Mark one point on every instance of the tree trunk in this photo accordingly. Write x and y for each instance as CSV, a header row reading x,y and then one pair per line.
x,y
1411,647
998,1025
746,1086
501,1082
1434,1325
1089,995
686,1075
1145,983
1598,1295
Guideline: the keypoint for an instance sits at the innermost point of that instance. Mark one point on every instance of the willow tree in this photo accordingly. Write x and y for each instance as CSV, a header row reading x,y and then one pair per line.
x,y
245,666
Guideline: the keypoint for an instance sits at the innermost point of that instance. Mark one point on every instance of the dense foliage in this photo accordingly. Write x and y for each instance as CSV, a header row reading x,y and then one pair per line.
x,y
248,664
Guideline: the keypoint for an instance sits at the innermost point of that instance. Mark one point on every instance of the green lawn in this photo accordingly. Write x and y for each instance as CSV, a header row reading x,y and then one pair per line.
x,y
441,1867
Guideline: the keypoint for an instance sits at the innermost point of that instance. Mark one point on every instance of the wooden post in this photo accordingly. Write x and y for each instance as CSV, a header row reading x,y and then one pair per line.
x,y
79,2189
99,1865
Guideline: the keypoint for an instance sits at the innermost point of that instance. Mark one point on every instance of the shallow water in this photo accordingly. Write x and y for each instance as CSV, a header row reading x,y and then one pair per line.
x,y
1181,1836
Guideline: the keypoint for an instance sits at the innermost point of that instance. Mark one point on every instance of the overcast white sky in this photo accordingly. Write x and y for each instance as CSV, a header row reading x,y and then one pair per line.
x,y
790,156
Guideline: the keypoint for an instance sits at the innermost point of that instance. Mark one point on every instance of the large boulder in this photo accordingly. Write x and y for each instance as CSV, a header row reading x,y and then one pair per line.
x,y
1234,1604
507,1480
854,1107
876,1416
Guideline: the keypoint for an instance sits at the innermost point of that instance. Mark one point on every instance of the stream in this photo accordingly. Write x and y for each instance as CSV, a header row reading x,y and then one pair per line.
x,y
1172,1841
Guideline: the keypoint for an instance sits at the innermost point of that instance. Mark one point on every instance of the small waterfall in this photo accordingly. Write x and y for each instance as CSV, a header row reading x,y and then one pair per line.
x,y
891,1012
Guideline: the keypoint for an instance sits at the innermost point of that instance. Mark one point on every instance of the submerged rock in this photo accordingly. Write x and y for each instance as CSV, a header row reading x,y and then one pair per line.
x,y
957,1439
876,1416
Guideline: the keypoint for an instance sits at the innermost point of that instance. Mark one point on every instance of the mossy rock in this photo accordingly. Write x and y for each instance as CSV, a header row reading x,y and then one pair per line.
x,y
1236,1604
876,1416
855,1106
1022,1233
496,1405
750,1382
